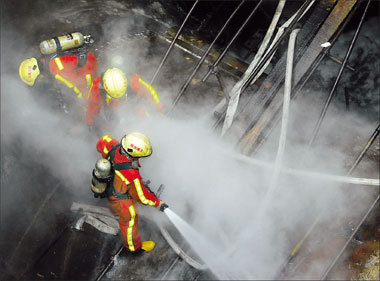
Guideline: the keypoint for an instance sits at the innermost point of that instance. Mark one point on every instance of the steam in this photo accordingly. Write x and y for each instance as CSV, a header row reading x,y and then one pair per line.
x,y
224,195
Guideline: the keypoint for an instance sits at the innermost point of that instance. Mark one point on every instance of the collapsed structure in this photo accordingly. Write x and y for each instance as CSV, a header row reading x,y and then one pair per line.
x,y
249,99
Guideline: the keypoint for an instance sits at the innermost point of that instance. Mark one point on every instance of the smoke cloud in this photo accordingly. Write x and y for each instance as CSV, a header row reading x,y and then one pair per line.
x,y
216,194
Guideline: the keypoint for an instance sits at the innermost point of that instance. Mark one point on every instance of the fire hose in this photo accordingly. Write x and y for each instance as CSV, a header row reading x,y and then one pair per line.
x,y
176,248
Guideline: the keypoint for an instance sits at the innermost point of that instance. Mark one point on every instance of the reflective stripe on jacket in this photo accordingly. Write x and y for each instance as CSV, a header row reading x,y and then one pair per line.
x,y
128,180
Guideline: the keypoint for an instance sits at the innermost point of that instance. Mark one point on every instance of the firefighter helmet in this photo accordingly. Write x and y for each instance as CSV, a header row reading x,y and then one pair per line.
x,y
115,83
136,145
29,71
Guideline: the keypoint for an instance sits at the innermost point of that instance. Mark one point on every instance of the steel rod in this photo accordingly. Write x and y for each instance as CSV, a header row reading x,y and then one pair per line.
x,y
184,87
349,239
369,143
170,268
236,89
348,53
326,50
320,58
110,263
172,43
274,48
263,61
339,61
221,56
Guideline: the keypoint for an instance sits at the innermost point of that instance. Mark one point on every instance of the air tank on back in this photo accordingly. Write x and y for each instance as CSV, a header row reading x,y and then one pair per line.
x,y
62,43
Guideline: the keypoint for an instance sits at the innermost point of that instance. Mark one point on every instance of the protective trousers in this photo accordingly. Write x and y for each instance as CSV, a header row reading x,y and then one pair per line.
x,y
126,209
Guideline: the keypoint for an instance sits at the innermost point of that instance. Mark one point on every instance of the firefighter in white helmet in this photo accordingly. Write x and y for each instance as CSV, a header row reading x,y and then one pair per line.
x,y
127,188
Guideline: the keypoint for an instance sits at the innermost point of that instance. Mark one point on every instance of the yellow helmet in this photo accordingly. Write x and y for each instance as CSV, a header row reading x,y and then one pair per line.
x,y
115,83
29,71
136,145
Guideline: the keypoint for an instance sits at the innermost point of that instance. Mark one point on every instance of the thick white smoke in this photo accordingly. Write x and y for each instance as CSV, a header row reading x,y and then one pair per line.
x,y
218,195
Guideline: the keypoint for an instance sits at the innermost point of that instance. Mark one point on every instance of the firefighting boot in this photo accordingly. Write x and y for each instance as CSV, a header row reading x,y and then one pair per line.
x,y
147,246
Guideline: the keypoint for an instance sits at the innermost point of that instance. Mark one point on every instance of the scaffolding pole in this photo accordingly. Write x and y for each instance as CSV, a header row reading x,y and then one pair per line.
x,y
221,56
267,56
365,149
184,87
348,53
172,43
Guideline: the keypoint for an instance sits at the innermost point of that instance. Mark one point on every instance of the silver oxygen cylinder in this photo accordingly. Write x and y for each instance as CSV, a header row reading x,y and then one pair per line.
x,y
101,176
62,43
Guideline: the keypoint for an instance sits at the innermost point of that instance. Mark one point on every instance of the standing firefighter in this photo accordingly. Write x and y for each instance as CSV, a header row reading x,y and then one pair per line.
x,y
126,188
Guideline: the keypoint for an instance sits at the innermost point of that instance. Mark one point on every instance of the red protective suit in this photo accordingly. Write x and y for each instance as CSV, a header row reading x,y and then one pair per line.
x,y
142,89
78,78
95,101
126,181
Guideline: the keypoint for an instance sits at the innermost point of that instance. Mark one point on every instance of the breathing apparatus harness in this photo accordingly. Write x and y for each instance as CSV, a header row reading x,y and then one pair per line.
x,y
111,191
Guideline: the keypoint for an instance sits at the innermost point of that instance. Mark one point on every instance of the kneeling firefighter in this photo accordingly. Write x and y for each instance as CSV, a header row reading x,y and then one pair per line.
x,y
71,62
66,69
117,177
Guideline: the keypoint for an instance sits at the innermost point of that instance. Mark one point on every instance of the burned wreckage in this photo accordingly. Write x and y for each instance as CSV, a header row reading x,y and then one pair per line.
x,y
263,119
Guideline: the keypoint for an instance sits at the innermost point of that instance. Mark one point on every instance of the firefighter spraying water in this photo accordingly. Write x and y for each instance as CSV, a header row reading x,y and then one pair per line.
x,y
117,177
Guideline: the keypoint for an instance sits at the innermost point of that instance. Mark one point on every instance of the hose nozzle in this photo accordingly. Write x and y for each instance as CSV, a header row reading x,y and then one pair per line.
x,y
163,207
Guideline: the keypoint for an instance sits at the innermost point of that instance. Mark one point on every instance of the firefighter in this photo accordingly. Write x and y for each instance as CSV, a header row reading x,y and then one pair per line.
x,y
127,188
110,89
73,71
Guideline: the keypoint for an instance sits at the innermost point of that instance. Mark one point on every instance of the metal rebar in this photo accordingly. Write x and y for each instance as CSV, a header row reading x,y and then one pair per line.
x,y
326,50
221,56
274,48
339,61
349,239
184,87
262,62
348,53
320,58
170,268
110,263
357,161
369,143
172,43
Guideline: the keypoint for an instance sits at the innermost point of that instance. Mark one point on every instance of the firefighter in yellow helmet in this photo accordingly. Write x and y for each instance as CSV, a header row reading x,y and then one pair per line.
x,y
107,90
29,71
110,89
127,188
58,78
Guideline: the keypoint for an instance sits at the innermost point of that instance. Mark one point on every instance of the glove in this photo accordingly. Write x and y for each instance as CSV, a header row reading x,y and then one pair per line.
x,y
162,206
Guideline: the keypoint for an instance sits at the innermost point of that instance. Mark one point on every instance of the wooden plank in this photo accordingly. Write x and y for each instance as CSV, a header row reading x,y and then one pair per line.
x,y
263,123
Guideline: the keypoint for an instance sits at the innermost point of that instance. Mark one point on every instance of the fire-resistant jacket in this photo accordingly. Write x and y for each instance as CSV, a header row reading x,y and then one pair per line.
x,y
66,70
145,91
128,180
96,100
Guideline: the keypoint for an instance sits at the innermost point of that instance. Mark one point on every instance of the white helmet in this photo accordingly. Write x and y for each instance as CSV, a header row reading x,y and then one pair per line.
x,y
136,145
